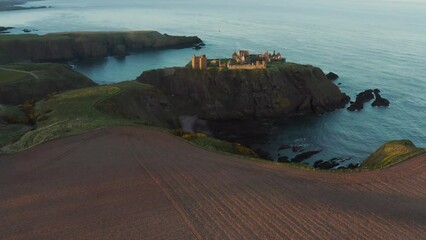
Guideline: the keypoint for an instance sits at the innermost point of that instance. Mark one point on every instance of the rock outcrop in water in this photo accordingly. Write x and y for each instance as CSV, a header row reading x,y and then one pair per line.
x,y
221,94
361,98
366,96
379,102
332,76
85,45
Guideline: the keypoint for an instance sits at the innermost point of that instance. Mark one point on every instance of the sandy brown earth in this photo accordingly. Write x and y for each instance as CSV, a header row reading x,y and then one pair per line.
x,y
138,183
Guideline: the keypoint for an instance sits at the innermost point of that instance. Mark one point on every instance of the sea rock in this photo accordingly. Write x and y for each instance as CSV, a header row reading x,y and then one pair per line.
x,y
284,147
283,159
356,106
361,98
379,101
303,156
297,148
223,94
334,162
332,76
325,164
366,96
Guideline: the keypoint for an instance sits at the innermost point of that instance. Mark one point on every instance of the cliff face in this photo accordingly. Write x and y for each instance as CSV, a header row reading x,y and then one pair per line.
x,y
83,45
281,90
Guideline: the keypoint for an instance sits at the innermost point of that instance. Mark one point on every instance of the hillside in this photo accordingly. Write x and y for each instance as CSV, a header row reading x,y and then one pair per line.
x,y
27,82
392,153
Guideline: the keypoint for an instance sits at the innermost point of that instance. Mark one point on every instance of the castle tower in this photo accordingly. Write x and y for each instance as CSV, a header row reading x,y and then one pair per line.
x,y
195,62
203,62
199,62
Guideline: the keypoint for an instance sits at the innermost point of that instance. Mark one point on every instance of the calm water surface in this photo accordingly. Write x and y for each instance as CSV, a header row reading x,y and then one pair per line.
x,y
370,44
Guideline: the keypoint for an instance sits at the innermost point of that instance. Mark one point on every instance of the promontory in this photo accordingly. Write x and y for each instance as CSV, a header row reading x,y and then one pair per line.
x,y
221,90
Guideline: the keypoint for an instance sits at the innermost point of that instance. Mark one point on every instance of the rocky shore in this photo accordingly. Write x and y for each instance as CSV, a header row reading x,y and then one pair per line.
x,y
86,45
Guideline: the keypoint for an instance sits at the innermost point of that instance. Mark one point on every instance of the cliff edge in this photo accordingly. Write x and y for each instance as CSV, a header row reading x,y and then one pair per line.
x,y
283,89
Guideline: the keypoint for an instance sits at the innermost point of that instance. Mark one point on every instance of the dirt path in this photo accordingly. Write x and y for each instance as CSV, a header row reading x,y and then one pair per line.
x,y
20,71
138,183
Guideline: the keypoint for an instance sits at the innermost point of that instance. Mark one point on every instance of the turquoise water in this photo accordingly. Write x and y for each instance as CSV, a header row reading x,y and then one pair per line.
x,y
370,44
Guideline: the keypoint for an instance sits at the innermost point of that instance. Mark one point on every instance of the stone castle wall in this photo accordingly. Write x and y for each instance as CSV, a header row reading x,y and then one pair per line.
x,y
248,66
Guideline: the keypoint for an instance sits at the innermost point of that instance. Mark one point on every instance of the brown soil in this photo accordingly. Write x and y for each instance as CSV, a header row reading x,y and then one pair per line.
x,y
138,183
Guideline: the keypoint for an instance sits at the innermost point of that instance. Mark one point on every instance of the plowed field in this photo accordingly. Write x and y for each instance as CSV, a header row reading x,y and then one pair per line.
x,y
139,183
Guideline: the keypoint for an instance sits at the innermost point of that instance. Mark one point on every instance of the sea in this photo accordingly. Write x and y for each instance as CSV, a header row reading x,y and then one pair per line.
x,y
368,43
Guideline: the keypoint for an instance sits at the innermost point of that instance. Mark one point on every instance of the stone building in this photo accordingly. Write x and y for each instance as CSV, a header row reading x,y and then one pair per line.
x,y
199,62
248,66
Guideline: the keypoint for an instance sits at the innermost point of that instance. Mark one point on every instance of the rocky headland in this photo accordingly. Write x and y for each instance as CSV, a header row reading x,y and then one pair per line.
x,y
86,45
13,5
281,90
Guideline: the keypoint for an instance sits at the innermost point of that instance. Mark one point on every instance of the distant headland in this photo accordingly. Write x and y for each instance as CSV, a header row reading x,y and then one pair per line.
x,y
86,45
13,5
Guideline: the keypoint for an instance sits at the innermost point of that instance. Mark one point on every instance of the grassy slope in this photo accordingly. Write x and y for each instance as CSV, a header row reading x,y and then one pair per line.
x,y
36,81
10,77
392,153
69,113
141,102
11,132
78,111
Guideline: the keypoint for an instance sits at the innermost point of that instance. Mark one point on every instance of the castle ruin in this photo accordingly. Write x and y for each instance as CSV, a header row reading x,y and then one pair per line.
x,y
240,60
244,60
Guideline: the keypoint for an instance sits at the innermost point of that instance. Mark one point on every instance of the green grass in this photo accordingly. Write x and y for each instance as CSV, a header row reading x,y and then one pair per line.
x,y
11,110
289,66
11,132
392,153
78,111
142,102
68,114
216,145
37,81
8,77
